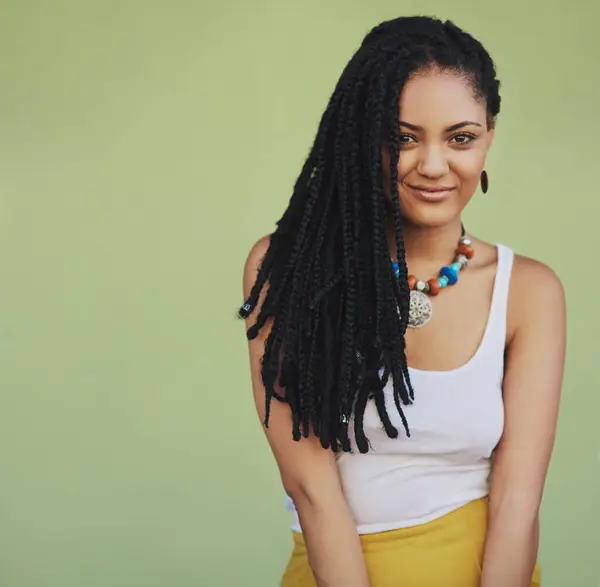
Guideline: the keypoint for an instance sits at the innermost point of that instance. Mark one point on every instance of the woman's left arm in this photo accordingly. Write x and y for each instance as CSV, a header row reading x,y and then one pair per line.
x,y
533,377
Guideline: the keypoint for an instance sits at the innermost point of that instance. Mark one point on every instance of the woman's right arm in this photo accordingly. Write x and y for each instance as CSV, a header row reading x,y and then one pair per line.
x,y
309,474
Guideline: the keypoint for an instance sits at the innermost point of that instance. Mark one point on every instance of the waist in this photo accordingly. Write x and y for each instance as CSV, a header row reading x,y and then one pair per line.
x,y
388,498
469,519
446,551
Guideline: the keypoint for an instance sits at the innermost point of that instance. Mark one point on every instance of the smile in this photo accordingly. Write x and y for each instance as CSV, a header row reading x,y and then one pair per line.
x,y
431,194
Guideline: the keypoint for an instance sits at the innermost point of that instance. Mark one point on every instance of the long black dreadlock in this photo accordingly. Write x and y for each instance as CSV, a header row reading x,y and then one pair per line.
x,y
339,315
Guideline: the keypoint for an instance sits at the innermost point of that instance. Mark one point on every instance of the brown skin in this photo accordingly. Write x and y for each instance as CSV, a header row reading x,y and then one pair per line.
x,y
308,473
535,346
434,156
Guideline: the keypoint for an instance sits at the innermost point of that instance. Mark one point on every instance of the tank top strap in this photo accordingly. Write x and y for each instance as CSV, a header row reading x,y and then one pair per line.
x,y
499,306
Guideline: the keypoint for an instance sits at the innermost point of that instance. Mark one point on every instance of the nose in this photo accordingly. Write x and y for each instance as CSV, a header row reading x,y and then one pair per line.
x,y
432,162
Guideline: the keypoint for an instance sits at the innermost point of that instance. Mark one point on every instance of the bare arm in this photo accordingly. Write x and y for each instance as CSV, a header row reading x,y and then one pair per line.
x,y
532,389
309,475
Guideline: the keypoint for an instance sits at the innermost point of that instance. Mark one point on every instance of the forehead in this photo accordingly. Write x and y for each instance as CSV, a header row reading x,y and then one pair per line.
x,y
436,98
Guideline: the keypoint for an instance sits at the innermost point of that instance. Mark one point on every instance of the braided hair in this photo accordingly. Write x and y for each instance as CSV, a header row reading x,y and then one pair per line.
x,y
338,313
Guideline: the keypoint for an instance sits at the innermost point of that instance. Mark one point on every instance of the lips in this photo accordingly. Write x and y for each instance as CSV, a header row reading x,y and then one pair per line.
x,y
431,193
431,188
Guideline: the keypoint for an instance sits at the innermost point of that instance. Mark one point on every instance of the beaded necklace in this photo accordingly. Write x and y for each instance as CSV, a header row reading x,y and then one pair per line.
x,y
421,308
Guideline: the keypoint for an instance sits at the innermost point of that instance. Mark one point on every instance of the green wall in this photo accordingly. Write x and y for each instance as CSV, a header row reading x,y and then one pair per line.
x,y
144,146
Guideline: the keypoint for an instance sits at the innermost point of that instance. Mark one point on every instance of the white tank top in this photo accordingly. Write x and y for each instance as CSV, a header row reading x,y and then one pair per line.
x,y
456,421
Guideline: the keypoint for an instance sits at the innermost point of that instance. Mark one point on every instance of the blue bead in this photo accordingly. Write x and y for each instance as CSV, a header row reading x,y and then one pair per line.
x,y
456,267
450,274
443,281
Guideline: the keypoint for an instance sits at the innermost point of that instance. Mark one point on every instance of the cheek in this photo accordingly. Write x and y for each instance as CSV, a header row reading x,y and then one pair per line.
x,y
405,164
468,168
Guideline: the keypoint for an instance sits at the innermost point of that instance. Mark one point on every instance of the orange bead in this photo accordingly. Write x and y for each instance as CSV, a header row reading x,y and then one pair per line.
x,y
467,251
412,280
434,287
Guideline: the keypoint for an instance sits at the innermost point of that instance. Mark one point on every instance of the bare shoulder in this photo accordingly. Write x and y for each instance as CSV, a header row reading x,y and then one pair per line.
x,y
536,294
533,280
253,262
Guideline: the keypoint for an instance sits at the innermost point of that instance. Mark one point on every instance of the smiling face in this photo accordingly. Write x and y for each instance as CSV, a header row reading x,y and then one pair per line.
x,y
444,140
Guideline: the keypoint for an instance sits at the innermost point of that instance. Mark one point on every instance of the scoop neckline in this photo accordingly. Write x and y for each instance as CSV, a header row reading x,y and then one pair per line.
x,y
484,337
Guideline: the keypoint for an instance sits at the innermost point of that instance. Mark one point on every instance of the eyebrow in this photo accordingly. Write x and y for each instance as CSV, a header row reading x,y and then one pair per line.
x,y
449,129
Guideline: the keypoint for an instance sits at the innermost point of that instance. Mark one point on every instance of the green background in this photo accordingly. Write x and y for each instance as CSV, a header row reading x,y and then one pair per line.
x,y
144,147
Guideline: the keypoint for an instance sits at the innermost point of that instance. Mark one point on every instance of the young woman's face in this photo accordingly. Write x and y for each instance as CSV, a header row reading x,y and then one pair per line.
x,y
444,140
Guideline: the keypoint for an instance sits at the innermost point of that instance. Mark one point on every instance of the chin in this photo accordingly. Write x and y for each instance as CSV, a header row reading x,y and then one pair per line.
x,y
431,216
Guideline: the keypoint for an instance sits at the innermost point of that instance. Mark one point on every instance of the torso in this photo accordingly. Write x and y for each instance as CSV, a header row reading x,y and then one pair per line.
x,y
456,366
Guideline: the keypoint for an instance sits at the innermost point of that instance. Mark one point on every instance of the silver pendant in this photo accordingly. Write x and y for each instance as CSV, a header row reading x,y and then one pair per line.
x,y
420,310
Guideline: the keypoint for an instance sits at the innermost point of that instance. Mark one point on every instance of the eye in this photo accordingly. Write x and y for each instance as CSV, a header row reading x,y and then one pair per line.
x,y
463,138
407,139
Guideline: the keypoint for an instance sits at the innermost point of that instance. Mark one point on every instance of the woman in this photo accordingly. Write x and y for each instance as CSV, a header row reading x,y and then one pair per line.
x,y
398,382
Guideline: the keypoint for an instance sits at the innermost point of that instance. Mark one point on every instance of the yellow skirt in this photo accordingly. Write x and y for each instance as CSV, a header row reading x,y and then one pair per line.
x,y
445,552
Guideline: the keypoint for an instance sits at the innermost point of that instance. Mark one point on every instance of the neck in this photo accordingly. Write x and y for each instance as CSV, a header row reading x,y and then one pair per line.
x,y
426,246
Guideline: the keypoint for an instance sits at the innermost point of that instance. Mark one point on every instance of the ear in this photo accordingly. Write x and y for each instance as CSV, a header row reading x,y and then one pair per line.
x,y
490,136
